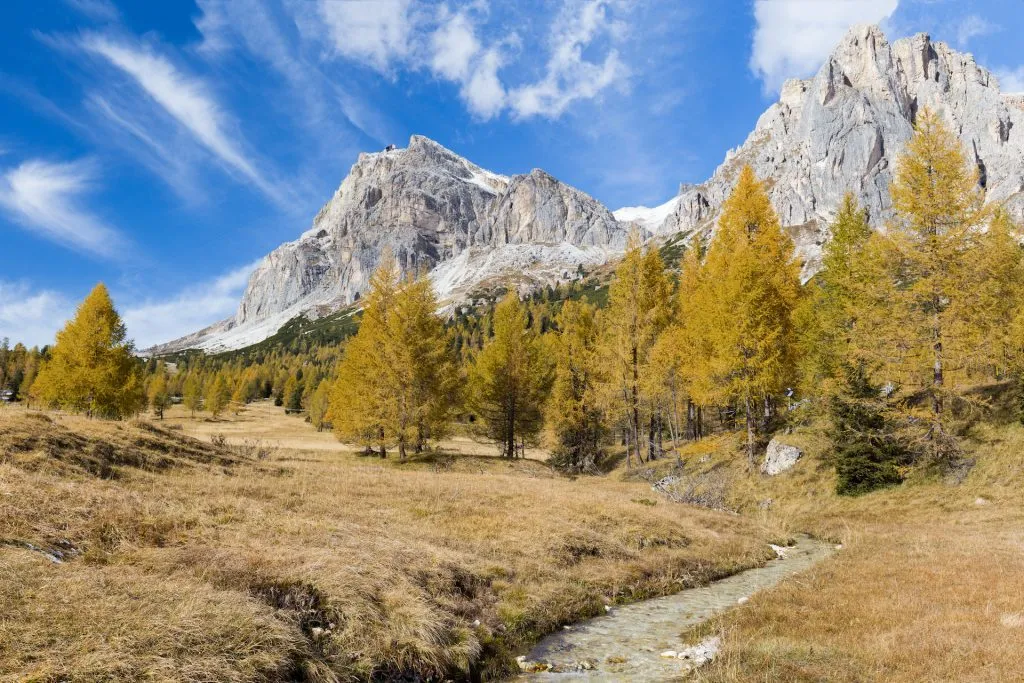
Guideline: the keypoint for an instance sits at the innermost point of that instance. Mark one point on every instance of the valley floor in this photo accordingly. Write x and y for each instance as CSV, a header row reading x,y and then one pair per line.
x,y
131,551
134,551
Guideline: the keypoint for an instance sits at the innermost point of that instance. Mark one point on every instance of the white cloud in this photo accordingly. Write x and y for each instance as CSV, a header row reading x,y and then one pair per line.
x,y
130,129
793,37
454,45
569,75
483,92
972,27
195,307
45,198
188,100
374,32
99,10
31,317
262,31
1011,80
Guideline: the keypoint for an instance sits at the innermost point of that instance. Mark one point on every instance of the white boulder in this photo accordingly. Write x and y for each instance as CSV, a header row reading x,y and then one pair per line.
x,y
780,457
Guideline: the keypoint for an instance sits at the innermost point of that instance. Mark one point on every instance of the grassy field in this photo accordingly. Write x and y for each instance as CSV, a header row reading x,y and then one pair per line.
x,y
134,551
181,559
928,586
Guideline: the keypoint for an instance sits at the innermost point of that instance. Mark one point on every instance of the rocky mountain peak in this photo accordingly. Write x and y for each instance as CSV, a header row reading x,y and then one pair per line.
x,y
842,130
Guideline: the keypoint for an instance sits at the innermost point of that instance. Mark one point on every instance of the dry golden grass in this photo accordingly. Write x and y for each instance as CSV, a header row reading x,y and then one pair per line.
x,y
929,584
267,423
314,563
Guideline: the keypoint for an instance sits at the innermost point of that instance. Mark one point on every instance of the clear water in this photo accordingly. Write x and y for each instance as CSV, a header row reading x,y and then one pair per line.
x,y
626,644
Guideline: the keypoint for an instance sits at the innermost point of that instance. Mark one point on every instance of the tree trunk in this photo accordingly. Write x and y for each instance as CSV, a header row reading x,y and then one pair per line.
x,y
691,427
749,405
938,380
510,433
635,401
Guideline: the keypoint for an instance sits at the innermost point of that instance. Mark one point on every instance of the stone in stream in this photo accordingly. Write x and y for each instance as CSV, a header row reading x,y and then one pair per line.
x,y
703,652
779,458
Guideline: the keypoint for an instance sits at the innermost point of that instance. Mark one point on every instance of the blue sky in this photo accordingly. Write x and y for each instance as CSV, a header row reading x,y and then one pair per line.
x,y
164,147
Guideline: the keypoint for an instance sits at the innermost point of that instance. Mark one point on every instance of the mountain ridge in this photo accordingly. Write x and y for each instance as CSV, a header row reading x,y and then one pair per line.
x,y
436,211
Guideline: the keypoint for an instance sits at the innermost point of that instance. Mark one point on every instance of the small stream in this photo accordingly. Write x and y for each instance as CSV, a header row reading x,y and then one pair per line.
x,y
628,644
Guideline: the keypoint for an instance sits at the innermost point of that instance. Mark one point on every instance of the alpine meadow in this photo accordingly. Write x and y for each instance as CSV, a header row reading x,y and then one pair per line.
x,y
477,427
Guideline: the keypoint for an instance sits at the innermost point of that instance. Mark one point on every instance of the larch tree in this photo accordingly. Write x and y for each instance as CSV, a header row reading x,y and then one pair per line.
x,y
218,393
192,393
836,308
936,231
159,396
574,413
510,379
639,308
423,373
691,342
92,368
362,404
755,284
398,381
319,404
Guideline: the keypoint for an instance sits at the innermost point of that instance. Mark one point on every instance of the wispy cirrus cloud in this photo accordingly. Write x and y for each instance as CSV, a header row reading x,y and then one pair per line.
x,y
973,26
46,199
187,99
98,10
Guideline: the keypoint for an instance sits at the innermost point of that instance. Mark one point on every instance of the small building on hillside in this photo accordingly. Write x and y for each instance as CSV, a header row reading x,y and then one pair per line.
x,y
6,395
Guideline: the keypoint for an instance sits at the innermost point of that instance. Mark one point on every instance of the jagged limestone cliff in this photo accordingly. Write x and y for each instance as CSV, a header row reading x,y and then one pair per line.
x,y
841,131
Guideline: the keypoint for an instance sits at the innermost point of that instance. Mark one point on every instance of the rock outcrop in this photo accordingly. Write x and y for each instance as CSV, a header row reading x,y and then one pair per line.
x,y
779,458
842,129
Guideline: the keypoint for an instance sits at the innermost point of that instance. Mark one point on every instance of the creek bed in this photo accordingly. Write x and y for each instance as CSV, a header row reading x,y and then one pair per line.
x,y
630,643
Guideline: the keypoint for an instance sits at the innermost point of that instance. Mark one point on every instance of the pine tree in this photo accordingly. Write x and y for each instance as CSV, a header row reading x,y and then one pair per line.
x,y
511,379
639,308
159,397
935,235
192,394
866,452
92,368
574,413
218,393
755,285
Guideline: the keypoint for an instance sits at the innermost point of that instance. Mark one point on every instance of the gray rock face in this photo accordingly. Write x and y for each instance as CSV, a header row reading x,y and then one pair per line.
x,y
428,206
779,458
841,131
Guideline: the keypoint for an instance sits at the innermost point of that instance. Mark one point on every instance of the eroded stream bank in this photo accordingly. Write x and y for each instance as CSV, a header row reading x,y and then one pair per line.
x,y
633,642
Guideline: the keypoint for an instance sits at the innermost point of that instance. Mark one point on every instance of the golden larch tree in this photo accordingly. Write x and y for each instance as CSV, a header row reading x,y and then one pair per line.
x,y
92,368
755,284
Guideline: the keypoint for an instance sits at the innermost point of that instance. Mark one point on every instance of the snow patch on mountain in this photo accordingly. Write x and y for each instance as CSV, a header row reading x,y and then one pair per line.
x,y
522,264
650,218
